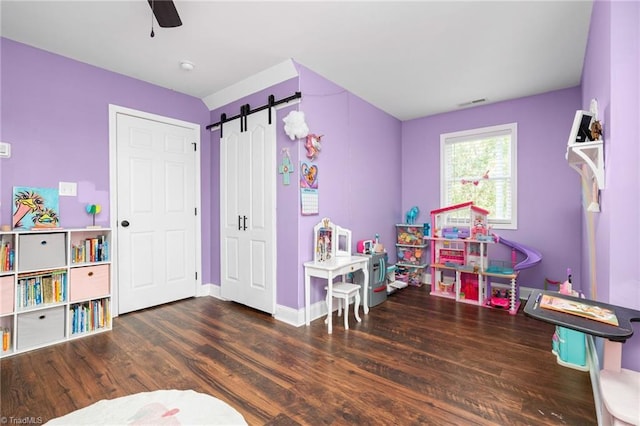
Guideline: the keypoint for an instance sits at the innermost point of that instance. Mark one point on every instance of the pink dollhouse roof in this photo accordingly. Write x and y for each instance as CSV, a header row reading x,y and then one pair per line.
x,y
460,206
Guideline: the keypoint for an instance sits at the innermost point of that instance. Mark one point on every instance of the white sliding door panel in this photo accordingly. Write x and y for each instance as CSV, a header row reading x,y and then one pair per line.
x,y
247,176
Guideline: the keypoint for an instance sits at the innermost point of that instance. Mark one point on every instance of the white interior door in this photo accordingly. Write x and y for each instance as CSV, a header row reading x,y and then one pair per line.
x,y
157,187
247,212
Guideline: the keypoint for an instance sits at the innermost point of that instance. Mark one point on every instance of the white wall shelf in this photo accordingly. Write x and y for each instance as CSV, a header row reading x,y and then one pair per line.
x,y
591,155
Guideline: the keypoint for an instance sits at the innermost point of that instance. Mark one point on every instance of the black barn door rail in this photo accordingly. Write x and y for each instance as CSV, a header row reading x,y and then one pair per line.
x,y
245,110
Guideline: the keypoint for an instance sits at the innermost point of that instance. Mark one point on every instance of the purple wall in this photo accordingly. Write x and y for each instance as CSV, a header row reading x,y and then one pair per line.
x,y
359,168
548,190
358,175
56,116
612,75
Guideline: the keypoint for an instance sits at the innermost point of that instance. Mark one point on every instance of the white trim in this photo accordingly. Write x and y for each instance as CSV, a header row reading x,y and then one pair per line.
x,y
291,316
208,290
295,317
114,110
481,133
285,314
271,76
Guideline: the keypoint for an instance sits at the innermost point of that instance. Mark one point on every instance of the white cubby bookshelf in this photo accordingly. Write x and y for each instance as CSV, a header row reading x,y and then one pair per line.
x,y
55,285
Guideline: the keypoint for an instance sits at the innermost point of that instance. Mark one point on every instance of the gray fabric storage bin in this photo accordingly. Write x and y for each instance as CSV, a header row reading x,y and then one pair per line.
x,y
40,327
41,251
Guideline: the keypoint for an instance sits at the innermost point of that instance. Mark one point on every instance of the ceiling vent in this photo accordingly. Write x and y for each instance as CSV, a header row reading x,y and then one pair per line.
x,y
473,102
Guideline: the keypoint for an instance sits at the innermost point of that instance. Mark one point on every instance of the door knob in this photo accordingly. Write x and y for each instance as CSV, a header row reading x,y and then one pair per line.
x,y
124,223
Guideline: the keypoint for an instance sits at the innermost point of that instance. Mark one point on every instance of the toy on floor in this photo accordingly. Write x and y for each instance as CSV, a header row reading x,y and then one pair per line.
x,y
500,299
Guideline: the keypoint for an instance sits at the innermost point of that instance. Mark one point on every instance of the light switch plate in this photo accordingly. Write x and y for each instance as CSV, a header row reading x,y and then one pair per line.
x,y
5,150
68,189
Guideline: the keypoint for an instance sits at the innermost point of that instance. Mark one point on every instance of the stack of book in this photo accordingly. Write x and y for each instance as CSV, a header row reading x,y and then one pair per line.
x,y
41,288
91,250
7,256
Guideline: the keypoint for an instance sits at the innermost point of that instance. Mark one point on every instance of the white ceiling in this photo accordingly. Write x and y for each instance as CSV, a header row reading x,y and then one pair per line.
x,y
410,59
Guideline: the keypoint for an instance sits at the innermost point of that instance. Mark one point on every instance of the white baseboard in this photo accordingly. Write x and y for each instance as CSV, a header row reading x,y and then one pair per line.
x,y
295,317
291,316
209,290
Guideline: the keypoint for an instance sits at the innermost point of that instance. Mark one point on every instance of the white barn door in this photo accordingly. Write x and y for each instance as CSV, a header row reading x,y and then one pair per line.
x,y
247,212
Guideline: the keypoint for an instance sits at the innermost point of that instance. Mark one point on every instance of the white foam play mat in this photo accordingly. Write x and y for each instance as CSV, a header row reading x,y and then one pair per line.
x,y
162,407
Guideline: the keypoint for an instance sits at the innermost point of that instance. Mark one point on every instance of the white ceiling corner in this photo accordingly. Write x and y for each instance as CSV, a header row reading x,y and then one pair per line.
x,y
276,74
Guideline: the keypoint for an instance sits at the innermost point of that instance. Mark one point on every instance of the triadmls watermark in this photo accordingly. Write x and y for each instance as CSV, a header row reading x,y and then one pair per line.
x,y
26,420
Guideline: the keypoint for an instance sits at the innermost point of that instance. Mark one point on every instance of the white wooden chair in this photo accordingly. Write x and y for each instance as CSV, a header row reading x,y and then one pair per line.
x,y
344,292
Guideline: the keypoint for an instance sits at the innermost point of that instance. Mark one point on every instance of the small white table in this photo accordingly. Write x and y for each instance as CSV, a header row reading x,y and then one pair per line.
x,y
337,266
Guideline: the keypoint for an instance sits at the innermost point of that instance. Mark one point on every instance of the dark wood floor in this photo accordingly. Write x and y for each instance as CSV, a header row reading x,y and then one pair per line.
x,y
415,359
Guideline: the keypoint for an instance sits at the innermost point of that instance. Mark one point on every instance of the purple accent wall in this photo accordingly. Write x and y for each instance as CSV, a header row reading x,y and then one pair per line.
x,y
359,168
548,190
612,75
358,175
55,114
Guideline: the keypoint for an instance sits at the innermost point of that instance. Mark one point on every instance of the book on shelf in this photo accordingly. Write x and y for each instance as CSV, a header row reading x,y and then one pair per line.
x,y
90,316
6,339
581,309
35,289
90,250
7,256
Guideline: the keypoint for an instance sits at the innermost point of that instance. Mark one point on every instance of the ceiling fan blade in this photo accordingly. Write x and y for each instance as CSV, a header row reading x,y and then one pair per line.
x,y
165,13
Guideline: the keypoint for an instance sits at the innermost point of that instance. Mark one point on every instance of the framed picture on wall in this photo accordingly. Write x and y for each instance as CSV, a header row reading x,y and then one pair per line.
x,y
35,208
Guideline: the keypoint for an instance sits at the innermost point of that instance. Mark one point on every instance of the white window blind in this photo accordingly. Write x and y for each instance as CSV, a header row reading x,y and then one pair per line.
x,y
479,165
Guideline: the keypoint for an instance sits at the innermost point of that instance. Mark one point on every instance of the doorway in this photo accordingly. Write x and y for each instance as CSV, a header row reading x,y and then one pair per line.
x,y
155,205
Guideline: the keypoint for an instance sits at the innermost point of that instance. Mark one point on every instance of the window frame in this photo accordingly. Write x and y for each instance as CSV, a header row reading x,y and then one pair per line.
x,y
473,135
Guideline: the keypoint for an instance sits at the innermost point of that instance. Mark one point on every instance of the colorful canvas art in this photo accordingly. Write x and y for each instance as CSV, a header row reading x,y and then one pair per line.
x,y
35,208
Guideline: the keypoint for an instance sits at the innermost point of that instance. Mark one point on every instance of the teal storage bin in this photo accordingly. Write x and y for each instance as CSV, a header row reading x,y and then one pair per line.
x,y
570,347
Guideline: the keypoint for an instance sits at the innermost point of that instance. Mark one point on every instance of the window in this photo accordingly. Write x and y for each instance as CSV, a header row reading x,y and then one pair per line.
x,y
479,165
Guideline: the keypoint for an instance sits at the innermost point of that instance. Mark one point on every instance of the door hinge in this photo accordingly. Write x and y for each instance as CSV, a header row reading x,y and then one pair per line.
x,y
195,146
195,211
196,275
